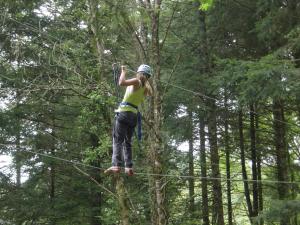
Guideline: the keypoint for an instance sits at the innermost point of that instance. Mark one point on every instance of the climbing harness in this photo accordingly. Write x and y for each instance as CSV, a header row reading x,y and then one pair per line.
x,y
116,75
139,118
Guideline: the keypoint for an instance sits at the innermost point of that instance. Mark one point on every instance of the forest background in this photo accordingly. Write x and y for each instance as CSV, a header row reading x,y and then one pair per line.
x,y
220,134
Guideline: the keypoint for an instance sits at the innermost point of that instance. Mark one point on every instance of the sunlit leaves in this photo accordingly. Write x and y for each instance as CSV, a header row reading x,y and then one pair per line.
x,y
206,4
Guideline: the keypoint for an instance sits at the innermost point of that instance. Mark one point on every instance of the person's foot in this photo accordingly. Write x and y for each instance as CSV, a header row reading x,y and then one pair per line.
x,y
113,169
129,171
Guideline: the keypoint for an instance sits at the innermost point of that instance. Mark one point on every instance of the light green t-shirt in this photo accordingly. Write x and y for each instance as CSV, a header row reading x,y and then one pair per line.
x,y
134,97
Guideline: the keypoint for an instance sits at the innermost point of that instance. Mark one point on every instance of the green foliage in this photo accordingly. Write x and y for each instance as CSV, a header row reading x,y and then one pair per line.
x,y
58,100
206,4
279,210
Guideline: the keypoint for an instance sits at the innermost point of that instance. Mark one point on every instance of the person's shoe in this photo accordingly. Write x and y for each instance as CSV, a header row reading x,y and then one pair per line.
x,y
113,169
129,171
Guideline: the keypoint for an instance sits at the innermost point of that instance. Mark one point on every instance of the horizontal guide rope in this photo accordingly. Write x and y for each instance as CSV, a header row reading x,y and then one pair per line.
x,y
162,175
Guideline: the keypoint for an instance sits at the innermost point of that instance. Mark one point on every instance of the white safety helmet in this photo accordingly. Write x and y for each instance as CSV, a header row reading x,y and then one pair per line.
x,y
145,69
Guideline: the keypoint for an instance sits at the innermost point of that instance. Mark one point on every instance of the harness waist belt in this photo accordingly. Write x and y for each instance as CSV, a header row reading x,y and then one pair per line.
x,y
129,104
139,118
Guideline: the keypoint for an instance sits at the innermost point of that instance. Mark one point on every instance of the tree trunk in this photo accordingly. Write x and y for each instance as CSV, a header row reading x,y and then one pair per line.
x,y
18,159
298,105
243,164
259,185
52,169
156,137
191,166
96,39
18,142
217,213
228,173
254,160
281,152
280,146
123,200
205,209
93,25
218,216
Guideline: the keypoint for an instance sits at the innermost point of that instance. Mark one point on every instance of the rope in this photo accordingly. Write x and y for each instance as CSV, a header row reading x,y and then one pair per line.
x,y
161,175
116,75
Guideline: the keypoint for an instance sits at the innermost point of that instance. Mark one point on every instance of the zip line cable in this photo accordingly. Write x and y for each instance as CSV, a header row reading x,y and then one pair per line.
x,y
158,175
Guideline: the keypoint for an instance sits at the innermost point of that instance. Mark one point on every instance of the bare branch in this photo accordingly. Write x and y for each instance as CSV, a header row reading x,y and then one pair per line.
x,y
95,181
168,27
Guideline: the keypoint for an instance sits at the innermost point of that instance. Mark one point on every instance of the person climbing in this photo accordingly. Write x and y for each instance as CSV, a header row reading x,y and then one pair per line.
x,y
127,116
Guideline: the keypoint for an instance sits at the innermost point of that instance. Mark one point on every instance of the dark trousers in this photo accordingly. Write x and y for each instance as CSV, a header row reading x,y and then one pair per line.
x,y
125,123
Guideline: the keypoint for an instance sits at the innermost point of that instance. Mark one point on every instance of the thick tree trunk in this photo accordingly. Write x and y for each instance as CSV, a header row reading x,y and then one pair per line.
x,y
18,159
156,152
156,137
281,152
152,215
254,160
280,146
18,142
93,25
96,39
191,167
52,169
298,105
228,173
243,164
205,208
123,200
218,215
259,153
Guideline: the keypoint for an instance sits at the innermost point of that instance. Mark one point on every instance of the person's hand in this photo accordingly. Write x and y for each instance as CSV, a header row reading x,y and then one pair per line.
x,y
123,68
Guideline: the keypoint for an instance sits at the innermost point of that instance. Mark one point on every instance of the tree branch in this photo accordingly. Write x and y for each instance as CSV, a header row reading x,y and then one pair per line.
x,y
95,181
168,27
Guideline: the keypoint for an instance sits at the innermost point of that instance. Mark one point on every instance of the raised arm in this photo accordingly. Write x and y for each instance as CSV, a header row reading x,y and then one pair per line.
x,y
128,82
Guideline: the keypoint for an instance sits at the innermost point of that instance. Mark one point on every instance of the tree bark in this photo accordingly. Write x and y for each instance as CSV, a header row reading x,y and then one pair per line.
x,y
243,164
281,152
280,146
298,105
228,173
18,140
156,137
203,168
254,160
123,200
259,185
94,27
18,158
191,166
218,215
